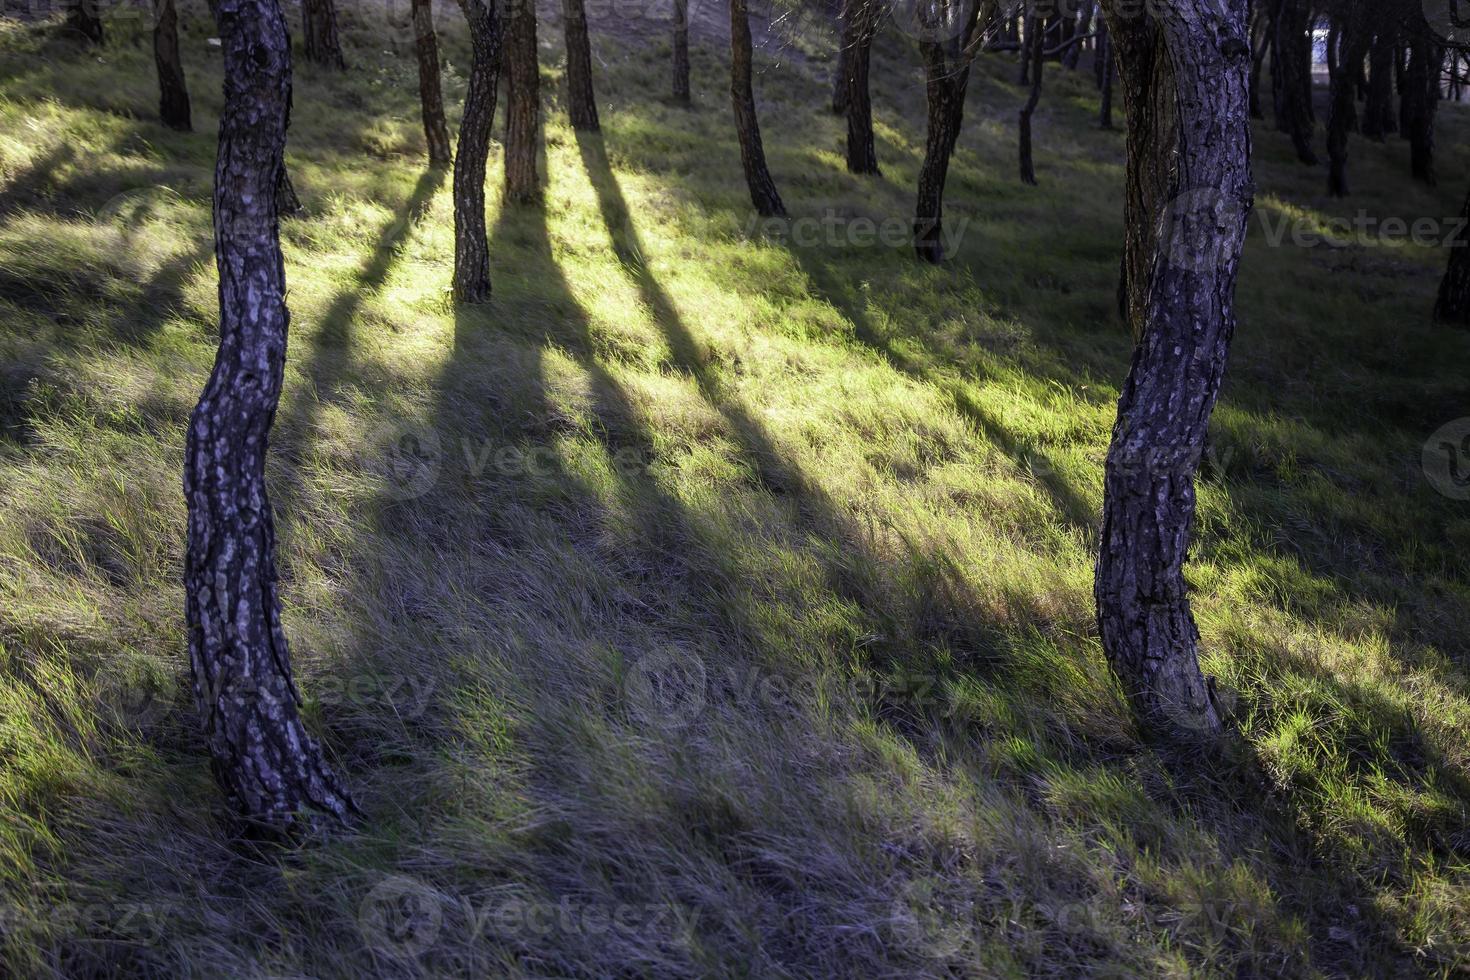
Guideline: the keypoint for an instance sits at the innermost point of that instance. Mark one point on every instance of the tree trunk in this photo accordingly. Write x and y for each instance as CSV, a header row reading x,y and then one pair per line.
x,y
681,52
1202,59
1082,26
1293,62
1421,87
1100,53
83,18
319,25
1261,33
1454,293
752,154
862,154
1355,40
581,100
946,80
846,38
272,770
436,130
173,94
1038,68
288,205
1105,57
522,103
1379,116
471,245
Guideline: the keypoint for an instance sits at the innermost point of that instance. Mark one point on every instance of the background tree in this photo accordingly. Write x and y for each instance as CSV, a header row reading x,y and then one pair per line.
x,y
82,17
763,193
861,26
581,100
1379,116
1353,39
681,52
522,102
270,767
431,95
1291,75
471,245
1190,93
1423,77
1453,305
844,55
319,27
1036,52
173,93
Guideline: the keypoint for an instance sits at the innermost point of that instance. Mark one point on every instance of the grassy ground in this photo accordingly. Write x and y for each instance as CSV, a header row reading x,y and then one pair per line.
x,y
737,620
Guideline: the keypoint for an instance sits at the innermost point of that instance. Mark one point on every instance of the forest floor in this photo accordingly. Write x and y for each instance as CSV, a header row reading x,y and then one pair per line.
x,y
717,600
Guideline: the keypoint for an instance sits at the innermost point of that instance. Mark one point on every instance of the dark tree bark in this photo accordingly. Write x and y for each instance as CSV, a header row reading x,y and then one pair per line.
x,y
1105,60
471,245
1422,94
1038,68
288,205
83,18
763,193
173,93
681,52
1101,54
1261,29
522,103
1379,116
946,80
1198,70
431,96
862,154
271,769
1082,26
845,41
1292,78
1453,305
581,100
319,27
1355,40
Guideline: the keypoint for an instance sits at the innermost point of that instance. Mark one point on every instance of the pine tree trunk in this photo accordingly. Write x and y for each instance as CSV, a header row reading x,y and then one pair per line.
x,y
522,103
681,52
1293,61
1105,57
471,245
1082,26
1454,293
947,67
319,25
1421,89
1038,69
431,96
271,769
1148,632
173,93
83,18
1379,116
763,193
846,40
288,205
1355,41
1261,33
862,154
581,100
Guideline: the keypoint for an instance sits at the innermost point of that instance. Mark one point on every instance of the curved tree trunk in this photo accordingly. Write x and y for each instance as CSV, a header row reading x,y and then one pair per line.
x,y
752,154
83,18
471,246
1379,115
522,103
173,93
269,766
319,27
1453,305
1148,632
1344,115
581,100
431,97
1038,69
681,51
862,154
946,80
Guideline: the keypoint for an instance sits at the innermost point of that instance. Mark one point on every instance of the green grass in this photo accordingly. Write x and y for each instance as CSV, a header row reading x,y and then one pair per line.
x,y
747,627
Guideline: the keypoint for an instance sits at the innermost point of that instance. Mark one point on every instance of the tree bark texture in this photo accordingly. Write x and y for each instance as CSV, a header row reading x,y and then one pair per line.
x,y
271,769
319,25
431,95
947,66
862,154
1202,57
173,93
581,99
1453,305
1292,62
681,52
763,193
471,244
522,103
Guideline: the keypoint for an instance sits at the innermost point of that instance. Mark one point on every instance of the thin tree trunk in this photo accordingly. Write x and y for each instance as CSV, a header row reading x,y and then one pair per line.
x,y
1038,69
581,100
1105,55
742,94
681,52
173,93
1261,33
431,97
1421,84
846,38
862,153
1355,41
319,25
1453,305
1082,25
271,769
1379,115
1100,53
946,80
1202,59
522,103
471,245
1293,61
